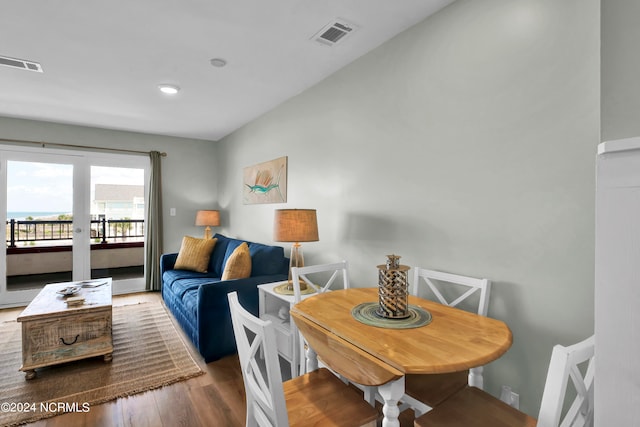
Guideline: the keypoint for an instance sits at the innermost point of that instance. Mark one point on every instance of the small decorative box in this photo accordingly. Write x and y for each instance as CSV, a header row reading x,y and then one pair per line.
x,y
73,301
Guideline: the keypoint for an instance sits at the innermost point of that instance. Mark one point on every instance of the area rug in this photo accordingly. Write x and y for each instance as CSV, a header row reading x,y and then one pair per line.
x,y
148,353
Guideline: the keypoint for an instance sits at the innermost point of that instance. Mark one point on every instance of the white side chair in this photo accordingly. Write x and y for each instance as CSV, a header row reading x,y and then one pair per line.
x,y
318,273
472,407
316,398
320,278
423,392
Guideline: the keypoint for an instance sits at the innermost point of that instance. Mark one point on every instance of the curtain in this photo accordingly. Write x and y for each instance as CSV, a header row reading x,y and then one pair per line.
x,y
153,235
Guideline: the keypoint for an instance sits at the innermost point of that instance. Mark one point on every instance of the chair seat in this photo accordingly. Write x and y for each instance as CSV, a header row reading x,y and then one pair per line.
x,y
433,389
319,398
472,407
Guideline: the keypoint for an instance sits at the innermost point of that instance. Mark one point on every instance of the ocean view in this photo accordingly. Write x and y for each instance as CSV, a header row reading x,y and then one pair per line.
x,y
35,215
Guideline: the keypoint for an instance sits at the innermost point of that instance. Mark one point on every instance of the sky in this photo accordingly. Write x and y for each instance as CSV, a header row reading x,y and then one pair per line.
x,y
47,187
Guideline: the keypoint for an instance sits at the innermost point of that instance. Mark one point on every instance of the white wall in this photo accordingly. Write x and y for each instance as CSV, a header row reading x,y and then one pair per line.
x,y
620,69
189,175
465,144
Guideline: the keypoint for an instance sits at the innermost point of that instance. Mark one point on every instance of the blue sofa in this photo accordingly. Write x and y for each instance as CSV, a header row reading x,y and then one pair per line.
x,y
199,300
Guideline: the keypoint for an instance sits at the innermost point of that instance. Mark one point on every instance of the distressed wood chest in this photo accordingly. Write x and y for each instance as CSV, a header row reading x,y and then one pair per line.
x,y
54,333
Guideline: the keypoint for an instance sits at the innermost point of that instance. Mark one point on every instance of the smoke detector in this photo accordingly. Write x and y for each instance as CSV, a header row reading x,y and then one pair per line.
x,y
334,32
21,64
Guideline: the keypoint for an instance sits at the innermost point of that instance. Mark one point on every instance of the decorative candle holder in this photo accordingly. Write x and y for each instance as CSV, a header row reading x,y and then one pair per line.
x,y
393,289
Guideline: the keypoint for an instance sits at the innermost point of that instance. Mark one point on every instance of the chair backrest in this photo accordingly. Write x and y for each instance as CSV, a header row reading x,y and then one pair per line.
x,y
319,273
432,277
567,363
438,282
266,405
301,273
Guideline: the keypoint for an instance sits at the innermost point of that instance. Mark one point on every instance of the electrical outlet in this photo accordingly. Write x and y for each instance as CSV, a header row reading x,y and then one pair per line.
x,y
510,397
515,400
172,212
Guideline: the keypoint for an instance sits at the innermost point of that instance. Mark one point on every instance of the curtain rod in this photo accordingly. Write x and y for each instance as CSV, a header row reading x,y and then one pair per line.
x,y
44,144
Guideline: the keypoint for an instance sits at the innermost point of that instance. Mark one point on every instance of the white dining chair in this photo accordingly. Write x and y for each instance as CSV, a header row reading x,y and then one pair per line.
x,y
316,398
317,277
472,407
320,278
423,392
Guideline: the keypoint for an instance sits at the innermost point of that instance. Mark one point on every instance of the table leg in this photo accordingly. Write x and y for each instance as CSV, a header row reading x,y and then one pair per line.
x,y
295,352
312,359
391,392
476,378
370,394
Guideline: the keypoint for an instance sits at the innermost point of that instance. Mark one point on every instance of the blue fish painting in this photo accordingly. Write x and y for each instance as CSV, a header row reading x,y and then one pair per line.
x,y
263,182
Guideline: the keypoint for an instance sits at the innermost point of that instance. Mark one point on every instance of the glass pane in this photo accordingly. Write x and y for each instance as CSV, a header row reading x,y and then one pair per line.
x,y
117,223
39,224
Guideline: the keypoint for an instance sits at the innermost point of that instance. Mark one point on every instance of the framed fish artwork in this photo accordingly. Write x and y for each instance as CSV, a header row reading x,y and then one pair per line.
x,y
265,182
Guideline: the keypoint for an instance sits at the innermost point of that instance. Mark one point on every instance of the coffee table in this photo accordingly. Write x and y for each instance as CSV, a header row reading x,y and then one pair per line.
x,y
54,333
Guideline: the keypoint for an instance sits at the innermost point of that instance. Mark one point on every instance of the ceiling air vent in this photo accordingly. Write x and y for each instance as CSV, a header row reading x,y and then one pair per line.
x,y
334,32
20,63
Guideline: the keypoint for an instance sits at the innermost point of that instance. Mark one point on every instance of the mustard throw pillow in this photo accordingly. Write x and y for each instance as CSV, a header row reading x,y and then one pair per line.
x,y
238,265
194,254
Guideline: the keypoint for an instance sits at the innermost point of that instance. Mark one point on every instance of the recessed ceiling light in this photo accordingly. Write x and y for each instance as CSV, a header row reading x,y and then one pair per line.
x,y
218,62
169,89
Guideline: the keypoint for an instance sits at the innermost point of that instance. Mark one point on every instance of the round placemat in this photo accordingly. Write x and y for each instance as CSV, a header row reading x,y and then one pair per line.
x,y
282,290
367,313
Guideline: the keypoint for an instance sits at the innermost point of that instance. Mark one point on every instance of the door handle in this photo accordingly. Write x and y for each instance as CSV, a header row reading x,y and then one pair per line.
x,y
78,230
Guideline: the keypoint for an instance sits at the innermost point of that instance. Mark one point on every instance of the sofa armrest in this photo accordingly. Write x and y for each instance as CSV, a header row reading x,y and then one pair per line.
x,y
167,261
214,316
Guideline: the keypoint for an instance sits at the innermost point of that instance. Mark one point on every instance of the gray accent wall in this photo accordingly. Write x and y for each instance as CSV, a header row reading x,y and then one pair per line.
x,y
465,144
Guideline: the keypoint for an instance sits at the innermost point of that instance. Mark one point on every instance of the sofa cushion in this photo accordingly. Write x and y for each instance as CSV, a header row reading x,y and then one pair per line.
x,y
216,263
184,284
232,244
238,264
267,260
194,254
171,276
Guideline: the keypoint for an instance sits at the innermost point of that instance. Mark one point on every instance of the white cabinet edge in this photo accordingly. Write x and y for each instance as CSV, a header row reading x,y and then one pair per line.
x,y
617,145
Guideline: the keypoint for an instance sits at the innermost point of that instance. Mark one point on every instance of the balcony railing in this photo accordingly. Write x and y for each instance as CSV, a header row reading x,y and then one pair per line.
x,y
102,231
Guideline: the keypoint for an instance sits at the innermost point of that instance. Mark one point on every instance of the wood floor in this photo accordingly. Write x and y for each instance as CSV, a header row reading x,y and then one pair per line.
x,y
210,400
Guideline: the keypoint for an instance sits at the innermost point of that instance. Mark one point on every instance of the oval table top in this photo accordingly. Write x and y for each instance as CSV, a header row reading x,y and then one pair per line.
x,y
454,340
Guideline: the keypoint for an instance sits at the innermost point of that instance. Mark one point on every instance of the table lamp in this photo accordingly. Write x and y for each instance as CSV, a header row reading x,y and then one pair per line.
x,y
295,225
208,219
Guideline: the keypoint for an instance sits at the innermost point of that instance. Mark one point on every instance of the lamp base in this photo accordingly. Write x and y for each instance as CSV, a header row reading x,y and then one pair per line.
x,y
207,232
289,287
296,259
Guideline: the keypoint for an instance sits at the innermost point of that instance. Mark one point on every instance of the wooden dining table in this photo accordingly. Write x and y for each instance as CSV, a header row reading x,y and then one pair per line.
x,y
454,340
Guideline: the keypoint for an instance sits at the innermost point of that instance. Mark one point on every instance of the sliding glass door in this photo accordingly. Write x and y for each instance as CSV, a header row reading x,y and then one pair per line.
x,y
117,210
70,216
43,216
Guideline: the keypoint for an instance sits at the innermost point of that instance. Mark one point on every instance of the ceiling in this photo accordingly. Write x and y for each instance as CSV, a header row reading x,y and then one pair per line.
x,y
102,61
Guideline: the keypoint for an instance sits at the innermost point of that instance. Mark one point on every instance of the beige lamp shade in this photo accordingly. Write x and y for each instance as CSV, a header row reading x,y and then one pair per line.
x,y
211,218
295,225
208,218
